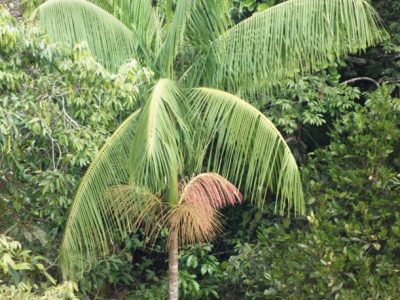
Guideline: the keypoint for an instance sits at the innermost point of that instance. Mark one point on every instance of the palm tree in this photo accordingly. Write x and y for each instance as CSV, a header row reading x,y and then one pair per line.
x,y
189,150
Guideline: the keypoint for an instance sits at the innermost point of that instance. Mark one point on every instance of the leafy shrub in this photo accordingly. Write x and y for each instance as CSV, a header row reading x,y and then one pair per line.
x,y
349,246
312,100
23,275
64,291
199,272
57,106
19,266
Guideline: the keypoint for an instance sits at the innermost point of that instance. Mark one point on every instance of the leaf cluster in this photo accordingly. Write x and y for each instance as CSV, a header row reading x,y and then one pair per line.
x,y
348,248
57,106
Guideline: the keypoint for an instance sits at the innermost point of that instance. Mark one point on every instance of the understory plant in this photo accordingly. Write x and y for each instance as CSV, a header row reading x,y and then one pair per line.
x,y
23,275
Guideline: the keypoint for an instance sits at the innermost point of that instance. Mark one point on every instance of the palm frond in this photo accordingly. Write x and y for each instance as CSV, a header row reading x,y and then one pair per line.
x,y
146,23
112,6
194,225
162,137
241,144
207,21
291,37
91,224
210,189
137,208
196,217
174,36
142,19
75,21
196,21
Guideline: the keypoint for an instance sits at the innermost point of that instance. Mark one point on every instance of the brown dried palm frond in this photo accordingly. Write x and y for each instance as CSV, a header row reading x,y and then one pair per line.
x,y
196,218
212,188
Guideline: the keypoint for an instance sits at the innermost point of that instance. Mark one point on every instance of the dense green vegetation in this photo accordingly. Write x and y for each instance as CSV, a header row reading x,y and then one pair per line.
x,y
58,106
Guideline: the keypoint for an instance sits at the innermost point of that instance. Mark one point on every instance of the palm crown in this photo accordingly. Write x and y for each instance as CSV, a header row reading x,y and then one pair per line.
x,y
138,177
197,45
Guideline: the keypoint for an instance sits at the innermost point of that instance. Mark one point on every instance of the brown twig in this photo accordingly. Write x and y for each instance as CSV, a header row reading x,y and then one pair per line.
x,y
361,79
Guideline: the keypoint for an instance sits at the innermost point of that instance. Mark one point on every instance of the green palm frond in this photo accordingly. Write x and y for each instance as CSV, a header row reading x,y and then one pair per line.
x,y
91,225
294,36
74,21
174,36
241,144
196,21
207,21
142,19
162,137
146,23
112,6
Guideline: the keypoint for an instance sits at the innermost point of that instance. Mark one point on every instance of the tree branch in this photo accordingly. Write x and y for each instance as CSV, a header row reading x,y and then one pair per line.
x,y
361,79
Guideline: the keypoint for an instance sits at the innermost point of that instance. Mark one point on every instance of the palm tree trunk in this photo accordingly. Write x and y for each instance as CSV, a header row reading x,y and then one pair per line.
x,y
173,266
173,200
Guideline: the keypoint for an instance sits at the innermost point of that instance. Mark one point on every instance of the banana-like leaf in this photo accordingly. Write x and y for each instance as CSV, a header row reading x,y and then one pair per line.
x,y
291,37
162,138
196,217
92,225
238,142
75,21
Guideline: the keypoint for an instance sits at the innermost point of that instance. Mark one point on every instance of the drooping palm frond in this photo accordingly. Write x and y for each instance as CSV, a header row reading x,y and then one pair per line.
x,y
74,21
193,225
207,20
138,208
210,189
241,144
162,138
196,217
291,37
142,19
91,224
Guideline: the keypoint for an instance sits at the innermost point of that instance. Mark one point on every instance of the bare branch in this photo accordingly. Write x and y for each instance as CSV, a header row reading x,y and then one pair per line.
x,y
361,79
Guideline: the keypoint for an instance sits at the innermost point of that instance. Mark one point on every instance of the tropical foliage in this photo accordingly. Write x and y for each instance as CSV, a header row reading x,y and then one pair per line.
x,y
210,51
24,272
49,131
75,104
348,244
146,154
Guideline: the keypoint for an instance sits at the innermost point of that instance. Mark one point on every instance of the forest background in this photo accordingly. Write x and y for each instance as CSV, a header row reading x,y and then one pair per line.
x,y
58,105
